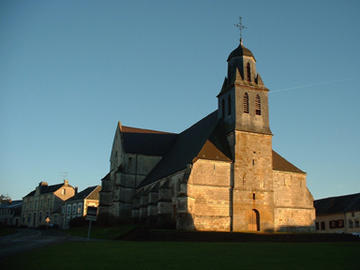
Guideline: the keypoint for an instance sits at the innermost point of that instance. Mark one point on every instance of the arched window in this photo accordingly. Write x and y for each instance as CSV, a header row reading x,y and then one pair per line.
x,y
248,69
257,105
229,105
246,103
223,108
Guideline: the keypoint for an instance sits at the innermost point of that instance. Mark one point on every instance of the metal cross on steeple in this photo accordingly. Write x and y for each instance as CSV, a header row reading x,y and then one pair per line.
x,y
241,27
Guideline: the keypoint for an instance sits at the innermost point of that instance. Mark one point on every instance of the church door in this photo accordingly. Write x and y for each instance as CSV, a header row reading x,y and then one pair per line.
x,y
255,221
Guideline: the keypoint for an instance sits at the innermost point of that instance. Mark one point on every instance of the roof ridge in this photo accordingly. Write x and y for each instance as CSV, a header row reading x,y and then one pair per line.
x,y
156,174
129,129
340,196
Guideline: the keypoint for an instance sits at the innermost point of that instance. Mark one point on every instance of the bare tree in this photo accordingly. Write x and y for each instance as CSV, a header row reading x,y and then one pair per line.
x,y
5,198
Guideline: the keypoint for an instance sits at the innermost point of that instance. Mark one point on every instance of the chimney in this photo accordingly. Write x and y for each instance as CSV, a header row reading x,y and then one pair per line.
x,y
66,182
76,190
43,184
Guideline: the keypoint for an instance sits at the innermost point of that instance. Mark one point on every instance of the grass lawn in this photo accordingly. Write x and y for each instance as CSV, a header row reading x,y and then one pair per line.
x,y
188,255
99,232
7,230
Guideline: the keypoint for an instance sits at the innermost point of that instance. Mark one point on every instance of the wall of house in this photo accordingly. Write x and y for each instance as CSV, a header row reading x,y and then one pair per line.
x,y
352,222
39,206
294,210
348,222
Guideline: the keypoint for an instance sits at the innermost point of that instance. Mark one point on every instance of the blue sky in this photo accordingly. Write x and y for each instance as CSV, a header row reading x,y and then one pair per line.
x,y
70,70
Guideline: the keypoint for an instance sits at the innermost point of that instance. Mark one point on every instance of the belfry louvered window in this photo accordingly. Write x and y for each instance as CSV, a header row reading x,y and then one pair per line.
x,y
246,103
257,105
248,72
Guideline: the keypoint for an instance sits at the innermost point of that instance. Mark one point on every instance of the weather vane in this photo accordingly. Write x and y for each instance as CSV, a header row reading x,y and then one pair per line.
x,y
241,27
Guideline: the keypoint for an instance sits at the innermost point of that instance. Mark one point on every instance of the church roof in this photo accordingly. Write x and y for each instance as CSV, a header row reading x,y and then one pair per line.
x,y
202,138
281,164
206,139
146,141
240,51
340,204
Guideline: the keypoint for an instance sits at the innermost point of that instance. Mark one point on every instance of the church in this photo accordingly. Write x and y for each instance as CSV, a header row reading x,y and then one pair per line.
x,y
220,174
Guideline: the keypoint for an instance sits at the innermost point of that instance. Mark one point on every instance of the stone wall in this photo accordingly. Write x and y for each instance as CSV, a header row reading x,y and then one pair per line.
x,y
208,196
294,210
253,206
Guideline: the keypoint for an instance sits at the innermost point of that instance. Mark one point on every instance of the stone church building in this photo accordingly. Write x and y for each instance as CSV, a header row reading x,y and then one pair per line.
x,y
220,174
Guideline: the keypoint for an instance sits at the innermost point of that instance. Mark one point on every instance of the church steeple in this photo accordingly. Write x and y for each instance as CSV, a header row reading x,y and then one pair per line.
x,y
243,99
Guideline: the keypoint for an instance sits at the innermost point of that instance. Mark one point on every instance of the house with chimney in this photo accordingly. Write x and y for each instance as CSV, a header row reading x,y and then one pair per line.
x,y
42,206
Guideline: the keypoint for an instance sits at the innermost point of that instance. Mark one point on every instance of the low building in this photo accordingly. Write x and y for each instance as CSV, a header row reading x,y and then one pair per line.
x,y
43,205
77,205
338,214
10,213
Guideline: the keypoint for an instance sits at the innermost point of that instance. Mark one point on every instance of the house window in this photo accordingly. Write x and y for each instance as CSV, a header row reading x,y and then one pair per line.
x,y
74,209
317,226
254,196
68,210
351,224
357,225
246,103
63,191
257,105
229,105
322,224
340,223
248,72
79,209
332,224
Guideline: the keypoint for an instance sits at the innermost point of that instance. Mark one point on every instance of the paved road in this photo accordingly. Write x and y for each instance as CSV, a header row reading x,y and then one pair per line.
x,y
27,239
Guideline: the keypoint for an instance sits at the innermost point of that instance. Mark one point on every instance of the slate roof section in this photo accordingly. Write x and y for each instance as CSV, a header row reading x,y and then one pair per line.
x,y
46,189
88,193
281,164
203,137
13,204
142,130
240,51
146,142
336,205
206,139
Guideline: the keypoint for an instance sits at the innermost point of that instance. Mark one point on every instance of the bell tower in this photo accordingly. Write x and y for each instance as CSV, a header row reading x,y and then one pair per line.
x,y
243,107
243,99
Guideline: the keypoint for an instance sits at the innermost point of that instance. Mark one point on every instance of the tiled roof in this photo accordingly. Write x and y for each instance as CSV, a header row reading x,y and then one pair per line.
x,y
340,204
202,138
142,130
281,164
46,189
13,204
146,142
206,139
88,193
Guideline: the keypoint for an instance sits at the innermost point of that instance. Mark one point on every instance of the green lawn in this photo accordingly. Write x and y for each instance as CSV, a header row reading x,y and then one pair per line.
x,y
99,232
189,255
7,230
